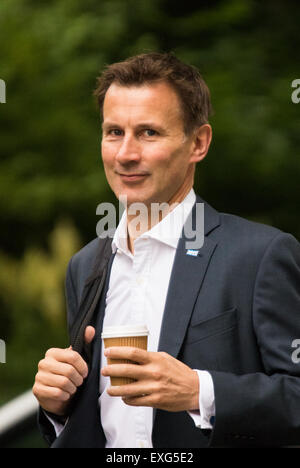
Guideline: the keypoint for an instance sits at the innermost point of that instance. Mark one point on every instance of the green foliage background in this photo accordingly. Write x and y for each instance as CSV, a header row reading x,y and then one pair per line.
x,y
51,176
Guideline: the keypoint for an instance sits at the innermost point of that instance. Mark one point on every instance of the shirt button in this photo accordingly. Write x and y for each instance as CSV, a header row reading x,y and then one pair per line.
x,y
141,444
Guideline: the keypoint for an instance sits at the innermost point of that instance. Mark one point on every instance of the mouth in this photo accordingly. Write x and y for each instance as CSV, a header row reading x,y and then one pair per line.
x,y
133,177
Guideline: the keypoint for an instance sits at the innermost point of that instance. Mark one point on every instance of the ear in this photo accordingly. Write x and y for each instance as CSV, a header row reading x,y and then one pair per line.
x,y
201,140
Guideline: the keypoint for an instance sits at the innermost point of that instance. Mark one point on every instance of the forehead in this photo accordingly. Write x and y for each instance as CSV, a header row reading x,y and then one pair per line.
x,y
154,100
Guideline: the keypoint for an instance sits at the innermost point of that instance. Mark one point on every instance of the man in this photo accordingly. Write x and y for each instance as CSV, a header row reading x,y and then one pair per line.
x,y
222,318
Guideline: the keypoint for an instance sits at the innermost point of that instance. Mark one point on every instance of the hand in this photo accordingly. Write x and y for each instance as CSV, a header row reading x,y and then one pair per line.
x,y
59,375
162,381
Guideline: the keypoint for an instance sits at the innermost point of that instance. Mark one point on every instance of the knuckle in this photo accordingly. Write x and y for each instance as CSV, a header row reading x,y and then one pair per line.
x,y
41,364
35,390
70,372
134,354
156,389
56,393
37,377
65,382
155,399
65,396
73,357
80,381
156,375
73,375
74,390
59,394
50,352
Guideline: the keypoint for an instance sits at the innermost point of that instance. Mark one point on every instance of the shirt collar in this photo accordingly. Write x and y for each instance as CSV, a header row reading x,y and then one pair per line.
x,y
167,231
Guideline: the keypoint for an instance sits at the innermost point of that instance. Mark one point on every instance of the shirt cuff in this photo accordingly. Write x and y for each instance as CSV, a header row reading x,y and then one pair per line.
x,y
203,418
58,427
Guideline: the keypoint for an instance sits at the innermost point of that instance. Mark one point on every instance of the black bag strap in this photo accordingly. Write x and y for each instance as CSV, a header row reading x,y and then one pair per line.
x,y
90,297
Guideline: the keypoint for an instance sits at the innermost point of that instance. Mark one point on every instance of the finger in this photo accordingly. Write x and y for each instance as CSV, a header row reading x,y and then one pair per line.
x,y
132,390
134,371
57,381
143,400
44,393
89,334
128,352
52,366
68,356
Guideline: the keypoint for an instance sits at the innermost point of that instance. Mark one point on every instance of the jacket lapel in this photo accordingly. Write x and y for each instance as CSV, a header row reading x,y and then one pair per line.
x,y
185,283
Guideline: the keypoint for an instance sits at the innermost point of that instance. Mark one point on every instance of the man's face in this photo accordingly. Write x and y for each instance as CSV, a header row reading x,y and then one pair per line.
x,y
145,152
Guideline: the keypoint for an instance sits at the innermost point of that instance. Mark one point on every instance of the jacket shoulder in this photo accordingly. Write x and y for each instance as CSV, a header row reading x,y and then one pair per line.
x,y
85,255
81,266
252,238
249,228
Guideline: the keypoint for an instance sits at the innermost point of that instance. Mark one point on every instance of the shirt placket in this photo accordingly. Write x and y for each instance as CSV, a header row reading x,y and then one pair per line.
x,y
141,271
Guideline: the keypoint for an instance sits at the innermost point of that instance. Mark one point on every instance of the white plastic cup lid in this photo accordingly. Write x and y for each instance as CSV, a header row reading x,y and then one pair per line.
x,y
124,330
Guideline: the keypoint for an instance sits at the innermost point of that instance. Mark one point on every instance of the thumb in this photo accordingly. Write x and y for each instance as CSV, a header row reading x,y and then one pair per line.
x,y
89,334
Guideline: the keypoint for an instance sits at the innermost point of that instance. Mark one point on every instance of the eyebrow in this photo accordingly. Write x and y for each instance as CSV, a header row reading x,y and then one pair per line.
x,y
141,125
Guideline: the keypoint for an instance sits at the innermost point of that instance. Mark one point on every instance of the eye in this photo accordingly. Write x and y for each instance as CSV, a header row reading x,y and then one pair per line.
x,y
149,132
115,132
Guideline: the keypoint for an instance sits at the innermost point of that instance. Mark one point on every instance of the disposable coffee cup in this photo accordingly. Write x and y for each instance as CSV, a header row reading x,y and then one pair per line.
x,y
126,335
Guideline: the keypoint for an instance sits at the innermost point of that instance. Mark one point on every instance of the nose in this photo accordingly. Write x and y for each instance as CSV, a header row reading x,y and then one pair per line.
x,y
129,151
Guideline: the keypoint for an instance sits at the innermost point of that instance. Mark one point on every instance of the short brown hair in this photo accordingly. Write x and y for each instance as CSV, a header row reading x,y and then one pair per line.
x,y
153,67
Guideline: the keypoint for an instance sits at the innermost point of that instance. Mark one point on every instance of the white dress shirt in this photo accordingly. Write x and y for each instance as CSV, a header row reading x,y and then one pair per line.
x,y
137,294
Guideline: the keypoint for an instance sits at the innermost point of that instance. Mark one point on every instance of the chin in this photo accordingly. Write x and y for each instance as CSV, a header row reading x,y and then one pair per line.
x,y
133,198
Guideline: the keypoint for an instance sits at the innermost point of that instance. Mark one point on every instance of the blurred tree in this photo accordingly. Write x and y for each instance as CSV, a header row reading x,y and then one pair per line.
x,y
32,296
51,53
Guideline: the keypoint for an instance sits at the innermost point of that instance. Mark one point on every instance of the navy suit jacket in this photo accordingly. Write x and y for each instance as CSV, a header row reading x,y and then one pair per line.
x,y
233,310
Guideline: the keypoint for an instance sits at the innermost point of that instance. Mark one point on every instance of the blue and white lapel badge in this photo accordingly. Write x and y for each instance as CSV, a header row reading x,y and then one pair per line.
x,y
192,252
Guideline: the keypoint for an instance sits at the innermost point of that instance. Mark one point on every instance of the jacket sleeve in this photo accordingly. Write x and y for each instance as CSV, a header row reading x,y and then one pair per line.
x,y
46,427
263,409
